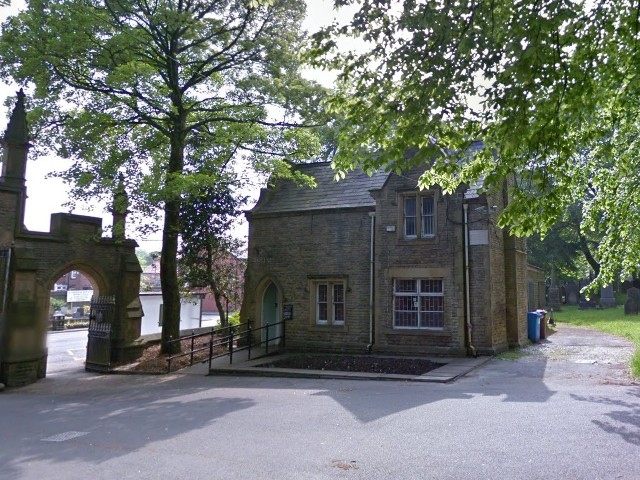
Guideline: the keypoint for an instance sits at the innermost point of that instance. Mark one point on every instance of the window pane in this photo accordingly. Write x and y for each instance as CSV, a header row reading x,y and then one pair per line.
x,y
321,308
338,303
405,311
338,293
406,320
418,303
406,303
322,313
406,286
410,207
431,312
428,226
410,217
432,320
431,286
322,293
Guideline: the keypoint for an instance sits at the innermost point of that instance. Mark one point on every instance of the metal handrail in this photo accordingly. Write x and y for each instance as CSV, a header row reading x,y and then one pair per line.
x,y
228,340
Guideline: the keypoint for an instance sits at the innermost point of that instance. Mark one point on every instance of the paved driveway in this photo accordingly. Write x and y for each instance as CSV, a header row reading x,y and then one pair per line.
x,y
550,415
578,355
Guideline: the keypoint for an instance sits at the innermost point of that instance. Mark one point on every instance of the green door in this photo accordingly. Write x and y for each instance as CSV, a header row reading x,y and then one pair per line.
x,y
270,314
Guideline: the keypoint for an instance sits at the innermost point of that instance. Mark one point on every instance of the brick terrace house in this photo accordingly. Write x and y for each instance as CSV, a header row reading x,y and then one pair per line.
x,y
371,263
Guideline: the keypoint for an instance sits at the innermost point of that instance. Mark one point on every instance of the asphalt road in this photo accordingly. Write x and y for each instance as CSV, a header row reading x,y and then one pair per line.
x,y
67,351
540,417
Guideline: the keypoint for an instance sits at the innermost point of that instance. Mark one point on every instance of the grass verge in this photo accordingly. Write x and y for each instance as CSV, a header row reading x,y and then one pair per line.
x,y
609,320
514,354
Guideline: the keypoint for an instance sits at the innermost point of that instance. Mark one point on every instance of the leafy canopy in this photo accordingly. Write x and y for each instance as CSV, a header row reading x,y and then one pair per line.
x,y
551,87
151,88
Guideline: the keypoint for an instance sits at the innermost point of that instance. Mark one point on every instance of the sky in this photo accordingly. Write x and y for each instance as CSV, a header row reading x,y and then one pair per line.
x,y
47,195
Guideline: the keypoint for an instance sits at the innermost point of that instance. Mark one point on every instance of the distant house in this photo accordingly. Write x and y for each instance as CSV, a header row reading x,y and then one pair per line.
x,y
150,282
75,289
372,263
150,277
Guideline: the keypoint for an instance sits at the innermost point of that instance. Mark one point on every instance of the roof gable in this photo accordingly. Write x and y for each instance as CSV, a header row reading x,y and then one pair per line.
x,y
349,192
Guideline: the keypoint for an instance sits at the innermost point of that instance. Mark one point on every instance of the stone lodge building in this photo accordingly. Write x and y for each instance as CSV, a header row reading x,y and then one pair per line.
x,y
372,264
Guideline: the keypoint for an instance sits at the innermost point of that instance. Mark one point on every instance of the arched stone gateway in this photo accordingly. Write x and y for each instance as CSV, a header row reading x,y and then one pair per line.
x,y
30,262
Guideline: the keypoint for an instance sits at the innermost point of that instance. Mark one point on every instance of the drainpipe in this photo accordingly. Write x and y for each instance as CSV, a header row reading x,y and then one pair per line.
x,y
3,306
471,350
372,215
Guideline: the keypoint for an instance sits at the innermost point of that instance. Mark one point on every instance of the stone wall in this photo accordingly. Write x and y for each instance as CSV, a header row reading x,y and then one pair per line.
x,y
438,257
292,251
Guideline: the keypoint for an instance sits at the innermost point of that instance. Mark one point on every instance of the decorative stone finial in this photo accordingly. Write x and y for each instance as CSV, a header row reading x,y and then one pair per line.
x,y
119,209
17,128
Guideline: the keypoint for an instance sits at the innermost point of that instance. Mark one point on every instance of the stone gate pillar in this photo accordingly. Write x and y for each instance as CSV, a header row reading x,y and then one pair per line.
x,y
129,311
24,357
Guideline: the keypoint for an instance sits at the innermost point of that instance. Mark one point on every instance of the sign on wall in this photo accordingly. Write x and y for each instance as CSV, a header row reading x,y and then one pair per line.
x,y
79,296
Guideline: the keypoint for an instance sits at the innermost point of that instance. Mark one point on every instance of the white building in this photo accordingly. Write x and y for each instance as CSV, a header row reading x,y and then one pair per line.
x,y
190,312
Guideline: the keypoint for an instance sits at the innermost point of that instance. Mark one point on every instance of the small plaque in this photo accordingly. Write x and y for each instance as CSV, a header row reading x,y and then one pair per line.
x,y
287,311
478,237
391,228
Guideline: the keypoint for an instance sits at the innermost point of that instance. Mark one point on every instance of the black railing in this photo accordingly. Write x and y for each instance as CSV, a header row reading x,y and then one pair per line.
x,y
224,341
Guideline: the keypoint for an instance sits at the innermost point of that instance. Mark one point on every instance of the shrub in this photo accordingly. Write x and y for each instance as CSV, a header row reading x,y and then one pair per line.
x,y
234,318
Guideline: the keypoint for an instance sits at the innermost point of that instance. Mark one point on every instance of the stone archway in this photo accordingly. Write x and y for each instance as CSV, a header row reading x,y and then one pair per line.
x,y
34,260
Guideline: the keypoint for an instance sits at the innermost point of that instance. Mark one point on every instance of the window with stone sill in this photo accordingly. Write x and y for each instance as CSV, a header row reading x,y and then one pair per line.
x,y
329,302
418,304
418,216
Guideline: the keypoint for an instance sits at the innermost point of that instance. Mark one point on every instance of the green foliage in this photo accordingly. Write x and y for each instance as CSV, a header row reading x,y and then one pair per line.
x,y
609,320
566,247
145,258
155,91
57,303
209,256
551,87
234,318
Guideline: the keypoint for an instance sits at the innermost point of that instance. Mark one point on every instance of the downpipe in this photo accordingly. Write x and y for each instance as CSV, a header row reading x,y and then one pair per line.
x,y
372,215
471,350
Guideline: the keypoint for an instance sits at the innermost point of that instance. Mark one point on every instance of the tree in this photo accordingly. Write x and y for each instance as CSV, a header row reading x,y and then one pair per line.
x,y
551,86
135,86
145,258
566,247
209,256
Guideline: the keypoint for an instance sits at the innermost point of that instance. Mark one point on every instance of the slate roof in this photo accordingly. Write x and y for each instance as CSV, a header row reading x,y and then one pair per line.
x,y
350,192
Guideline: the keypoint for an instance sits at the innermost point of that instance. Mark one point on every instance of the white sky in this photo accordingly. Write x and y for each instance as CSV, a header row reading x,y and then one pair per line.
x,y
46,195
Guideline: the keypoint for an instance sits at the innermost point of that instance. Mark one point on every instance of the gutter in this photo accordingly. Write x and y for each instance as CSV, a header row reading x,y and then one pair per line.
x,y
471,350
372,215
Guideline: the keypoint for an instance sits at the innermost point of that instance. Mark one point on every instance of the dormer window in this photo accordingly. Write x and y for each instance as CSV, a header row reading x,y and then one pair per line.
x,y
419,216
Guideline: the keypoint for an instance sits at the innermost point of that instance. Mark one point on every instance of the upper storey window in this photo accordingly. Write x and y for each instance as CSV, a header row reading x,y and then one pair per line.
x,y
419,216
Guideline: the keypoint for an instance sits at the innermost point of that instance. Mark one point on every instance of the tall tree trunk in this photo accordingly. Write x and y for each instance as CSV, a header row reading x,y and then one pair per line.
x,y
169,279
169,254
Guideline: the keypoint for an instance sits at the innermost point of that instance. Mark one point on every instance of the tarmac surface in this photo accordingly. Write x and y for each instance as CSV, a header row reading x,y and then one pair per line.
x,y
567,409
581,351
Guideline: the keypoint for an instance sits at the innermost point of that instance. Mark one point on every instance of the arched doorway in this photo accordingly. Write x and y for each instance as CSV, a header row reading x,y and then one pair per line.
x,y
271,314
70,296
